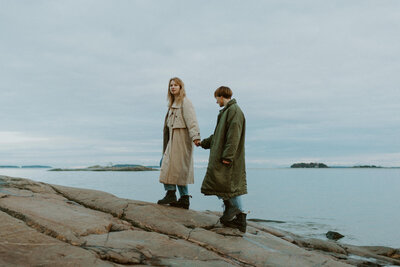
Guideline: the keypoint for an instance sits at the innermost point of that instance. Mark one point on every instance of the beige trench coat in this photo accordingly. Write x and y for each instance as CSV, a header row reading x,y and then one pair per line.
x,y
180,130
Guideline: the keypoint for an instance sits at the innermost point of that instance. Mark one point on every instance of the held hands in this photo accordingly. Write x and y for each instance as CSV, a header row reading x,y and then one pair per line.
x,y
197,142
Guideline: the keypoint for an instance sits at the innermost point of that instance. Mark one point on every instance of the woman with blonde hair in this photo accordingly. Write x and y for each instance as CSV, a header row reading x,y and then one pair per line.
x,y
181,130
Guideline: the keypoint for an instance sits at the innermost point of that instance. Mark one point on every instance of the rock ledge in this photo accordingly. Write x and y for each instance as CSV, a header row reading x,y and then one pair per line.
x,y
52,225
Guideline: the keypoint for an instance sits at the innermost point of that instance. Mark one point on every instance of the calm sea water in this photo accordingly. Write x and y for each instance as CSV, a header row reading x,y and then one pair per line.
x,y
362,204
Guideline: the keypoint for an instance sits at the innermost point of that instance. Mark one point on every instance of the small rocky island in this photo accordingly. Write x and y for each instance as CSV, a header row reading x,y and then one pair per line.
x,y
114,168
367,166
309,165
51,225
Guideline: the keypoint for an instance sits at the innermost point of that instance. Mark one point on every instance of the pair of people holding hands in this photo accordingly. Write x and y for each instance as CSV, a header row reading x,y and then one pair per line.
x,y
226,171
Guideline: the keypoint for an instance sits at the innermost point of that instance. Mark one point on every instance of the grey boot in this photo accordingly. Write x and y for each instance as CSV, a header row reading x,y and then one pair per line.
x,y
170,197
230,212
183,202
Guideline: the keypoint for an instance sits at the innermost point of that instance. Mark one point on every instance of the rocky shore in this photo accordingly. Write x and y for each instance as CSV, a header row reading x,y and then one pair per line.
x,y
51,225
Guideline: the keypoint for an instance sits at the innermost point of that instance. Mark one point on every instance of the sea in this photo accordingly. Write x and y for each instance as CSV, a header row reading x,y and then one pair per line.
x,y
361,204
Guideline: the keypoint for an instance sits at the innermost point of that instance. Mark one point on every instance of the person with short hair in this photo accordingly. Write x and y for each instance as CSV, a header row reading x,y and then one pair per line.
x,y
226,171
181,130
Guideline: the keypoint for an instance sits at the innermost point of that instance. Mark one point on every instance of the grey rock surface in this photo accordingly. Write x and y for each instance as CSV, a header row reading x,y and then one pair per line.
x,y
52,225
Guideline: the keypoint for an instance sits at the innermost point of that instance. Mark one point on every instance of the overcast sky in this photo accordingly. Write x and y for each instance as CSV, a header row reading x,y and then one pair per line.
x,y
85,82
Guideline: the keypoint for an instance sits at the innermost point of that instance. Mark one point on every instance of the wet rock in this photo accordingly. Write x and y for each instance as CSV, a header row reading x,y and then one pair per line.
x,y
267,221
334,235
384,251
370,253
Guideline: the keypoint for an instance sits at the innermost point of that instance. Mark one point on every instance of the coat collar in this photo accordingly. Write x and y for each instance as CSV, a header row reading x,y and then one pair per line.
x,y
176,105
230,103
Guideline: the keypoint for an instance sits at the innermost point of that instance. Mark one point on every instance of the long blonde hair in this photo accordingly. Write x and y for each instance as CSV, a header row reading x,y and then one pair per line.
x,y
171,98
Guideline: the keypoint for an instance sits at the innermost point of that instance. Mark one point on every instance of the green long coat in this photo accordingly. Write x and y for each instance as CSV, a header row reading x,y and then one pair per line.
x,y
226,143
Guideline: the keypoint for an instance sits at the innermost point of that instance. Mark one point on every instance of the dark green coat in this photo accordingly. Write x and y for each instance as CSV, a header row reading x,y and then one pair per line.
x,y
227,143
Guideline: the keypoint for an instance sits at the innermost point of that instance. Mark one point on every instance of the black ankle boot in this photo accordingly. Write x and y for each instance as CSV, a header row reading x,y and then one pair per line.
x,y
230,212
239,222
183,202
170,197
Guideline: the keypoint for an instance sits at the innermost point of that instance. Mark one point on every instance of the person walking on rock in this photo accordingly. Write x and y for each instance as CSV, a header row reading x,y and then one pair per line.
x,y
226,171
181,130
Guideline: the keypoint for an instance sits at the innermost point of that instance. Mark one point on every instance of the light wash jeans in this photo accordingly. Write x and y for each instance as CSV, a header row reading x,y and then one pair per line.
x,y
236,201
183,189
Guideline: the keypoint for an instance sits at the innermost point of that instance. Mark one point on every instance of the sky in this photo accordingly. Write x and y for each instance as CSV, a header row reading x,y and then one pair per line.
x,y
85,82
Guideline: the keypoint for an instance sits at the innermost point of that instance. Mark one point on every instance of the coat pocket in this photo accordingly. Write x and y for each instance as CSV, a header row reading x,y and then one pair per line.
x,y
179,122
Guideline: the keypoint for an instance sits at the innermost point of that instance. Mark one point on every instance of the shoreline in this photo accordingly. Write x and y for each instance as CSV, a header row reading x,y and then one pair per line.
x,y
83,220
299,219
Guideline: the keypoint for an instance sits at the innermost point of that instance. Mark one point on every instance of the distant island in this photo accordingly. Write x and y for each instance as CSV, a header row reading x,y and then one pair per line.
x,y
25,167
322,165
367,166
118,167
36,166
8,166
309,165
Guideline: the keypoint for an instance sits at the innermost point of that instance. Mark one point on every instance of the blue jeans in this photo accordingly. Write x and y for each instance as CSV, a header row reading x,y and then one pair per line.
x,y
236,201
183,189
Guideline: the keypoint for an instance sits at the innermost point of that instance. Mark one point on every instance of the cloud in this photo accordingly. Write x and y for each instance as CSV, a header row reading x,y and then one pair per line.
x,y
315,79
18,138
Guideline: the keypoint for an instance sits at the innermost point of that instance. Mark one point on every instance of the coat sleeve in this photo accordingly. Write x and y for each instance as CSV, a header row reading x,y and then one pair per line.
x,y
233,136
206,143
189,116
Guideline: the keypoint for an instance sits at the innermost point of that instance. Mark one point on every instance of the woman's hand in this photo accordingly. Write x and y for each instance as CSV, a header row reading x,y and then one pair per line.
x,y
197,142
